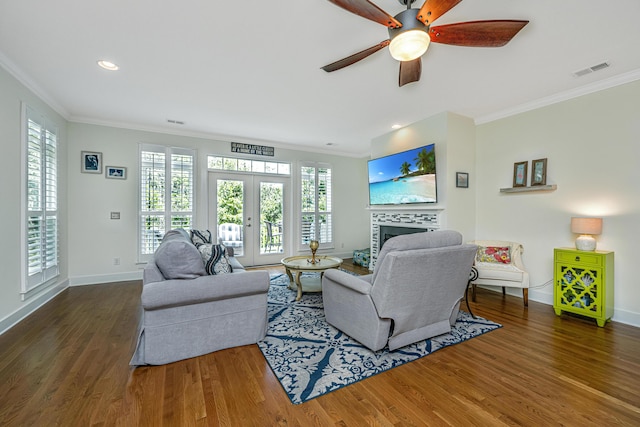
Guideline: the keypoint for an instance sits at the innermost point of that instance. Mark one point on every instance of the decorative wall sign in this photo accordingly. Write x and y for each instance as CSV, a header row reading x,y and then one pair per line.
x,y
260,150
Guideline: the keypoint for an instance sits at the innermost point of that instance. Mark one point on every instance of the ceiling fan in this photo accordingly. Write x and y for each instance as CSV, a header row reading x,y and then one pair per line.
x,y
410,33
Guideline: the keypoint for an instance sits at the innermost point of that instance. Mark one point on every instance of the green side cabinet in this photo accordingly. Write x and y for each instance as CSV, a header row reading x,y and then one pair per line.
x,y
583,283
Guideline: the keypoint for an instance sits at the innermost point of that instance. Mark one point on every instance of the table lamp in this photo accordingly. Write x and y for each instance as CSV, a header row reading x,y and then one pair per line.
x,y
587,228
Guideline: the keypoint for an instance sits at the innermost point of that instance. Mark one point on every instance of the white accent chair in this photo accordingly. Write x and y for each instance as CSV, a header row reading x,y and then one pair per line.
x,y
230,235
413,294
511,275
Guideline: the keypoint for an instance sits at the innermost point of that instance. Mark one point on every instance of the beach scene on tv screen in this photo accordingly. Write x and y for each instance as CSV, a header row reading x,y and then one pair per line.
x,y
407,177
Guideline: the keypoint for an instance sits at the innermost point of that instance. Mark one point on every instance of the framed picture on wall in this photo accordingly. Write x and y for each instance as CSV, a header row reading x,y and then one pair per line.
x,y
520,174
539,172
91,162
462,180
116,172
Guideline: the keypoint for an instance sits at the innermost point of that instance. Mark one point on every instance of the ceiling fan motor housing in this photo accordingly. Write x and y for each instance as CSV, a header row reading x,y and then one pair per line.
x,y
409,20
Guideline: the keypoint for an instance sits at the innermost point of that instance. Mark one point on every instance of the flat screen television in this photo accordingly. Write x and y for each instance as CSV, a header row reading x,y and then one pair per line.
x,y
404,178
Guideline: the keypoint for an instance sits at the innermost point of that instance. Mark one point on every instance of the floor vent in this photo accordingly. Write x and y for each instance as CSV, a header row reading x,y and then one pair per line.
x,y
591,69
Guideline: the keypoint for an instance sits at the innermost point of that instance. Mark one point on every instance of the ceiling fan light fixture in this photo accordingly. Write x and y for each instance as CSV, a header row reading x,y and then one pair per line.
x,y
409,45
411,40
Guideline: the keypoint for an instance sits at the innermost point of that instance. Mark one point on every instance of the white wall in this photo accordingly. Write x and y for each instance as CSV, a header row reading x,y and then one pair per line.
x,y
95,240
592,144
12,94
89,239
454,139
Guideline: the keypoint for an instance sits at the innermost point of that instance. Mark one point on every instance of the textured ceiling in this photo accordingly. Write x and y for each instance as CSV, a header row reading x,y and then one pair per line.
x,y
250,71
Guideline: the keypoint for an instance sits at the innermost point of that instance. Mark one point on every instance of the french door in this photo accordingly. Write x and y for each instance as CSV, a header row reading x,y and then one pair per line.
x,y
249,214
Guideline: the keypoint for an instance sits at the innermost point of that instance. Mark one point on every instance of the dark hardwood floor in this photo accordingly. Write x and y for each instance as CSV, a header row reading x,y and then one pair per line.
x,y
67,365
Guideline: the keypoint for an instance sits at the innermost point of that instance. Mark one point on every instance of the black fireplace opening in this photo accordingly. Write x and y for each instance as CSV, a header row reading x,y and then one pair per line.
x,y
387,232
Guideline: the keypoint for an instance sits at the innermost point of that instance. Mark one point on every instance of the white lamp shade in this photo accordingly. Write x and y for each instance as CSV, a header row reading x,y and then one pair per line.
x,y
586,225
409,45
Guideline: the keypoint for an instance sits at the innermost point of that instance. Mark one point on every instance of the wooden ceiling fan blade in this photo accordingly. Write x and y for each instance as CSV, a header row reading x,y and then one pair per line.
x,y
352,59
368,10
433,9
410,71
477,33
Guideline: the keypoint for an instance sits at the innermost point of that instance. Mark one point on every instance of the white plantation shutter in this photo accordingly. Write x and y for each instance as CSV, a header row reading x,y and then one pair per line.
x,y
181,191
166,194
152,194
324,205
315,205
41,222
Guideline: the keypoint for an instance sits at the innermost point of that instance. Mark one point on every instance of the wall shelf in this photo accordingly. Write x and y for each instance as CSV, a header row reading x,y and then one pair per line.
x,y
528,189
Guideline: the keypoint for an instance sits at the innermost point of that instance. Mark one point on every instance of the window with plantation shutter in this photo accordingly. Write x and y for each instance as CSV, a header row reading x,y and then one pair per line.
x,y
315,204
166,194
41,197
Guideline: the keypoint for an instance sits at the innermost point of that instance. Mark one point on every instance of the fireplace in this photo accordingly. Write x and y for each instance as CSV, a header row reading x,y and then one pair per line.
x,y
388,231
394,223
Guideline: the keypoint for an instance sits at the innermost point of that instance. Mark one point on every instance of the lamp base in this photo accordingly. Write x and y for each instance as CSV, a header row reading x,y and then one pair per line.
x,y
586,243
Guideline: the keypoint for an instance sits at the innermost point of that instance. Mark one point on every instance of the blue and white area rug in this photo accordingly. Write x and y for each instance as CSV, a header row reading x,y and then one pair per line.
x,y
311,357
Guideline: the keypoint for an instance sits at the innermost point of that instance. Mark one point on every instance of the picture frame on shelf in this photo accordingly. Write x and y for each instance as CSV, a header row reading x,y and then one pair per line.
x,y
539,172
520,174
462,180
116,172
91,162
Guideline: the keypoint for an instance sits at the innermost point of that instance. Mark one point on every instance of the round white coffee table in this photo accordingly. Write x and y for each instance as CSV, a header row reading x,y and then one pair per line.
x,y
299,264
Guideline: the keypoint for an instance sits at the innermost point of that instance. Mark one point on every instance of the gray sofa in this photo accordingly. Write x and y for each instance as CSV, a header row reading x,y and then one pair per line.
x,y
413,294
187,313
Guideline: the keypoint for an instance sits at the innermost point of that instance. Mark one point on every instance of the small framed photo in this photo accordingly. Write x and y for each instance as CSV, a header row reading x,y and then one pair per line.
x,y
116,172
91,162
520,174
462,180
539,172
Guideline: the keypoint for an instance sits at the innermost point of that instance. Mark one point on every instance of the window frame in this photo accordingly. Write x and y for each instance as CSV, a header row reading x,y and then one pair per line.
x,y
168,212
330,244
48,204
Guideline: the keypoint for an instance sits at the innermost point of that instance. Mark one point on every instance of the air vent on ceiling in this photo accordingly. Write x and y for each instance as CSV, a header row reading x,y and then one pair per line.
x,y
175,122
591,69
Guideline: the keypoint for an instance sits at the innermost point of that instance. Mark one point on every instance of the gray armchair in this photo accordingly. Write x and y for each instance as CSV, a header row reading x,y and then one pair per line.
x,y
187,313
413,294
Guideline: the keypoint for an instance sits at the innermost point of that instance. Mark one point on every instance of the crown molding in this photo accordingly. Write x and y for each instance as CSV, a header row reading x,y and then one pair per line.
x,y
562,96
210,136
31,85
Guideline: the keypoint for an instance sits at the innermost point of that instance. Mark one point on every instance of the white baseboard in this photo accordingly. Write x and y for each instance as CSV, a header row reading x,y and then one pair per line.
x,y
626,317
34,304
621,316
105,278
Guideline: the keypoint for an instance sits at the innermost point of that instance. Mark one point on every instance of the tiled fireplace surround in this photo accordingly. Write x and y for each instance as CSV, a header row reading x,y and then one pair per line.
x,y
424,220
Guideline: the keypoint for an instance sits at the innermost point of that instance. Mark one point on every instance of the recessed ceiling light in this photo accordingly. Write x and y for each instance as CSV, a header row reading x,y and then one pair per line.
x,y
108,65
396,126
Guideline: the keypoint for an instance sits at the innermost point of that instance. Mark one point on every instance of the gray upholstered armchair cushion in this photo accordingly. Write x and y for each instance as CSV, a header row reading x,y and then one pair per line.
x,y
413,294
178,258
